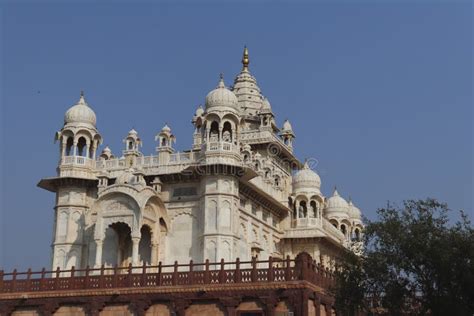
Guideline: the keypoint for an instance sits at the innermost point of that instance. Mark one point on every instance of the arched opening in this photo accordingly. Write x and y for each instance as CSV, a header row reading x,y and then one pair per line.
x,y
144,247
130,145
334,223
227,132
117,245
164,142
257,166
303,210
277,181
81,147
214,132
357,234
343,229
69,144
314,209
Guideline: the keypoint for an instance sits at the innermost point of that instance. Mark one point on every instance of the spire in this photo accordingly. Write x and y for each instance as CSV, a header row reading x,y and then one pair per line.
x,y
245,59
221,81
82,100
335,193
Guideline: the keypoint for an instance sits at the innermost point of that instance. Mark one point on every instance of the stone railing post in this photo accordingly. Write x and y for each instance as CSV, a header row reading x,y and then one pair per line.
x,y
159,273
175,274
143,279
43,275
254,269
87,278
28,280
288,269
237,273
191,273
206,273
56,281
72,283
302,262
270,269
13,289
1,281
101,277
222,273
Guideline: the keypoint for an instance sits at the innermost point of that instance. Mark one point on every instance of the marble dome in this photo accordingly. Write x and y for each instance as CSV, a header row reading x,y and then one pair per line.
x,y
221,97
306,179
354,211
80,113
336,204
287,126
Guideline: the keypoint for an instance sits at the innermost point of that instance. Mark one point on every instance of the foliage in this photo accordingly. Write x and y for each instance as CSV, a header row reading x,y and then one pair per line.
x,y
414,263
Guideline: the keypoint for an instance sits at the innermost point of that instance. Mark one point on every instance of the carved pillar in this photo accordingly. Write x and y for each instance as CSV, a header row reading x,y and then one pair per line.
x,y
135,248
74,148
94,149
63,148
88,144
154,254
98,252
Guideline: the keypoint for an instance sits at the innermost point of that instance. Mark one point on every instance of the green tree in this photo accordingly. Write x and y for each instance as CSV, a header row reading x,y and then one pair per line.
x,y
414,263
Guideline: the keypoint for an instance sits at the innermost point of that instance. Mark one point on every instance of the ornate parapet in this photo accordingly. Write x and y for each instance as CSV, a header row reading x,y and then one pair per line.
x,y
267,286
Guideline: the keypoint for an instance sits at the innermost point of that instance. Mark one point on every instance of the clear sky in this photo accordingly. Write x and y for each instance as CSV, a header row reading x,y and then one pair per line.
x,y
380,94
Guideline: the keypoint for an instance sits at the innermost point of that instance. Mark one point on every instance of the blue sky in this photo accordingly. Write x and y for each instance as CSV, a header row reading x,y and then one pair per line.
x,y
379,94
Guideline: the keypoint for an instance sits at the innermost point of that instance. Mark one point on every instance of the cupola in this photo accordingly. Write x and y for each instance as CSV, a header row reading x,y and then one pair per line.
x,y
306,180
221,98
80,113
336,206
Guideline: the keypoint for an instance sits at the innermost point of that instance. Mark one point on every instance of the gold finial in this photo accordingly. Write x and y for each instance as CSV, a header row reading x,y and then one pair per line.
x,y
245,59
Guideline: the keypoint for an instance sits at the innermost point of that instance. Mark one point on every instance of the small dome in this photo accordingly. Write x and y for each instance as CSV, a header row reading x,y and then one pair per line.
x,y
106,150
166,129
354,211
306,179
287,127
336,204
80,113
221,97
132,132
199,111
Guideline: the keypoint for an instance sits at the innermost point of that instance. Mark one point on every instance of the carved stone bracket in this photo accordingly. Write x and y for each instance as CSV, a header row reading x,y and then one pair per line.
x,y
140,306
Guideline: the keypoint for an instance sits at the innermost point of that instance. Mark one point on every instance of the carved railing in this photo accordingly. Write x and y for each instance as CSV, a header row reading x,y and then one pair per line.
x,y
272,270
77,160
306,222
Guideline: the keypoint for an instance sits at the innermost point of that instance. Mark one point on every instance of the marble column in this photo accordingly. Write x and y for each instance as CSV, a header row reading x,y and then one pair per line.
x,y
98,252
135,248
